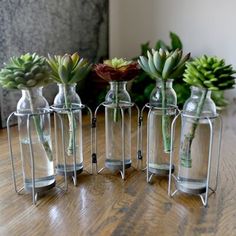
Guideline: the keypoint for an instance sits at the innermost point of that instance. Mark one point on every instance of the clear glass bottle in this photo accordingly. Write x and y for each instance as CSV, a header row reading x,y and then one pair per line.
x,y
116,98
159,126
32,102
67,104
195,141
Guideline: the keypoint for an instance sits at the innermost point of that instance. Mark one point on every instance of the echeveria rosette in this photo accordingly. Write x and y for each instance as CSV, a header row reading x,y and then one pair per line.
x,y
117,70
164,65
67,70
210,73
25,72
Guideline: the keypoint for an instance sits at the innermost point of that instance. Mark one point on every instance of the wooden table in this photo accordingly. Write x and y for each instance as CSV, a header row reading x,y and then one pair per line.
x,y
104,204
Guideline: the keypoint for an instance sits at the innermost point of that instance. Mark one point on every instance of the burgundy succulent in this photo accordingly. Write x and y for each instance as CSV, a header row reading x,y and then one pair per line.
x,y
117,70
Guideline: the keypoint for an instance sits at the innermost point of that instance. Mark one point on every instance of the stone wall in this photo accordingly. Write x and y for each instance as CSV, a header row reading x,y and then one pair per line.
x,y
50,26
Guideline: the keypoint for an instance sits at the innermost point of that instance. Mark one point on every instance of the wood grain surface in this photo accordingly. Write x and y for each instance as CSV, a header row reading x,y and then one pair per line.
x,y
103,204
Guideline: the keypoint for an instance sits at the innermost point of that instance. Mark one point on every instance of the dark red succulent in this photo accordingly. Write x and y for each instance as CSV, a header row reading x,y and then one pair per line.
x,y
117,70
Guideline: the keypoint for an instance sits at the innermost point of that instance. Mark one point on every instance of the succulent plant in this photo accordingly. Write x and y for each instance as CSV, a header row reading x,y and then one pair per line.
x,y
24,72
143,85
117,70
163,64
210,73
68,69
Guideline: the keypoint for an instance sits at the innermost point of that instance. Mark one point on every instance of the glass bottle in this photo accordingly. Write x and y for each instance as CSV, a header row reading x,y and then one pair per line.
x,y
195,141
67,104
159,127
33,102
116,98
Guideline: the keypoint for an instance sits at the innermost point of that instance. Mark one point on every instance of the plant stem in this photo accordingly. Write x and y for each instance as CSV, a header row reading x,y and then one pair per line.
x,y
38,128
165,119
186,144
70,148
116,110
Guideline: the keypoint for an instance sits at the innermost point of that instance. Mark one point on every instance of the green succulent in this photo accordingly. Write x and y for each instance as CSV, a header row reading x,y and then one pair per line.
x,y
210,73
163,64
24,72
68,69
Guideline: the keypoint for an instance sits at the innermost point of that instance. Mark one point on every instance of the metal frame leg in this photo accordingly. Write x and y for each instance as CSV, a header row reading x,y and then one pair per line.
x,y
11,153
94,152
173,124
141,120
91,137
148,153
139,144
122,172
34,194
65,188
219,152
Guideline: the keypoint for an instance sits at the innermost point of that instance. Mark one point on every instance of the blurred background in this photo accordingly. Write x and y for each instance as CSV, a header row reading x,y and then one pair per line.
x,y
99,29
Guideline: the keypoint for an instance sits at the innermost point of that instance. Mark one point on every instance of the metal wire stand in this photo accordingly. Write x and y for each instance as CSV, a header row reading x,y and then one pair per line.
x,y
149,171
207,191
122,107
34,189
75,108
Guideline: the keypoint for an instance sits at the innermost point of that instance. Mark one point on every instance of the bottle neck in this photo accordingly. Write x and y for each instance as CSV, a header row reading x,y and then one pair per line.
x,y
117,92
115,85
168,83
197,92
69,88
32,92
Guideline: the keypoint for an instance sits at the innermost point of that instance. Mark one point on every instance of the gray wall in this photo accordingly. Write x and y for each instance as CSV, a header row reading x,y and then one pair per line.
x,y
50,26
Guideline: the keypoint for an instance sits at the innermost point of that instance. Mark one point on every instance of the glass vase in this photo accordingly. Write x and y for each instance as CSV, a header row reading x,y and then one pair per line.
x,y
162,110
195,141
67,104
118,133
31,108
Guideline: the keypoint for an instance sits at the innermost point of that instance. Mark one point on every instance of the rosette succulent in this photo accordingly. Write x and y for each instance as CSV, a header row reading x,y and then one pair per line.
x,y
67,70
210,73
163,65
24,72
117,70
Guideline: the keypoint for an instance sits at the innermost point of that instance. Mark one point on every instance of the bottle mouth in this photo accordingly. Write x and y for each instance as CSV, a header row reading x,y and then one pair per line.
x,y
117,82
199,88
61,84
32,88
